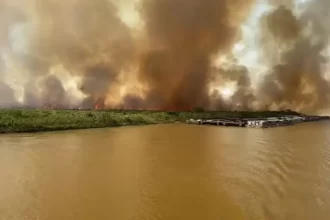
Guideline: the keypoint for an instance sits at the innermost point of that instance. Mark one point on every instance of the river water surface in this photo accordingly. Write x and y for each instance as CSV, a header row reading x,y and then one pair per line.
x,y
167,172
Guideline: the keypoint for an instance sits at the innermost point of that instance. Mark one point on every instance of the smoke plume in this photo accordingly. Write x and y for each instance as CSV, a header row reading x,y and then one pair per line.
x,y
173,55
297,78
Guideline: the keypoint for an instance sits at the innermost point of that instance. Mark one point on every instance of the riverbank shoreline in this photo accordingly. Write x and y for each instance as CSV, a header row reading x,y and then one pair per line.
x,y
269,122
40,120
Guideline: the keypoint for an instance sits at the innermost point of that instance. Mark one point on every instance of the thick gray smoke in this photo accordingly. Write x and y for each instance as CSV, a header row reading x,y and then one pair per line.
x,y
44,41
86,38
294,45
293,48
184,37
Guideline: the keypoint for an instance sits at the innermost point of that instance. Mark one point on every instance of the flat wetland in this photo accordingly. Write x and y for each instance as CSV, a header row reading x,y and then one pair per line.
x,y
36,120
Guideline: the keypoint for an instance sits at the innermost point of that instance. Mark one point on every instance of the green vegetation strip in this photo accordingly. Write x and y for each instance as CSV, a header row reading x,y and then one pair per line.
x,y
32,120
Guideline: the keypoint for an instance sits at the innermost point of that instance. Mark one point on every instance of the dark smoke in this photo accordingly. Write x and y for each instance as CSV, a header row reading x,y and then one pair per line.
x,y
185,36
297,80
97,81
54,93
84,37
7,97
90,40
173,54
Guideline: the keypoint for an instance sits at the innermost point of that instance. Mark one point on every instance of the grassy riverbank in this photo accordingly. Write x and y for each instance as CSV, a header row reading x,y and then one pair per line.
x,y
30,120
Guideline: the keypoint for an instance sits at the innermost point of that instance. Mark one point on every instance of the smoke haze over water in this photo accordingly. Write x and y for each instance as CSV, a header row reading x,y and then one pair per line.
x,y
165,54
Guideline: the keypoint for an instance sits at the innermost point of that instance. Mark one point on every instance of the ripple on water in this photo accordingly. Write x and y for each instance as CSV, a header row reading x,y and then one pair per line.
x,y
166,171
325,151
272,170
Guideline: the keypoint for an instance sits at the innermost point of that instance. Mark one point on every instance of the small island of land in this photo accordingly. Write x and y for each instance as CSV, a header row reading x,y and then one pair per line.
x,y
36,120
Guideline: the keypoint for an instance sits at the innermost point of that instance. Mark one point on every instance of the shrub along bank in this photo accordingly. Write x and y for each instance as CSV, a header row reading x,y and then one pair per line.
x,y
34,120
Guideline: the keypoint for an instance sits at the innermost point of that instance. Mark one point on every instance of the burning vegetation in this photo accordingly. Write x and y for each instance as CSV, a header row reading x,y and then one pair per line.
x,y
165,55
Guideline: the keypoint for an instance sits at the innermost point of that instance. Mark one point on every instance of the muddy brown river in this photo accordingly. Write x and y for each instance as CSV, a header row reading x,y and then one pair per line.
x,y
167,172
